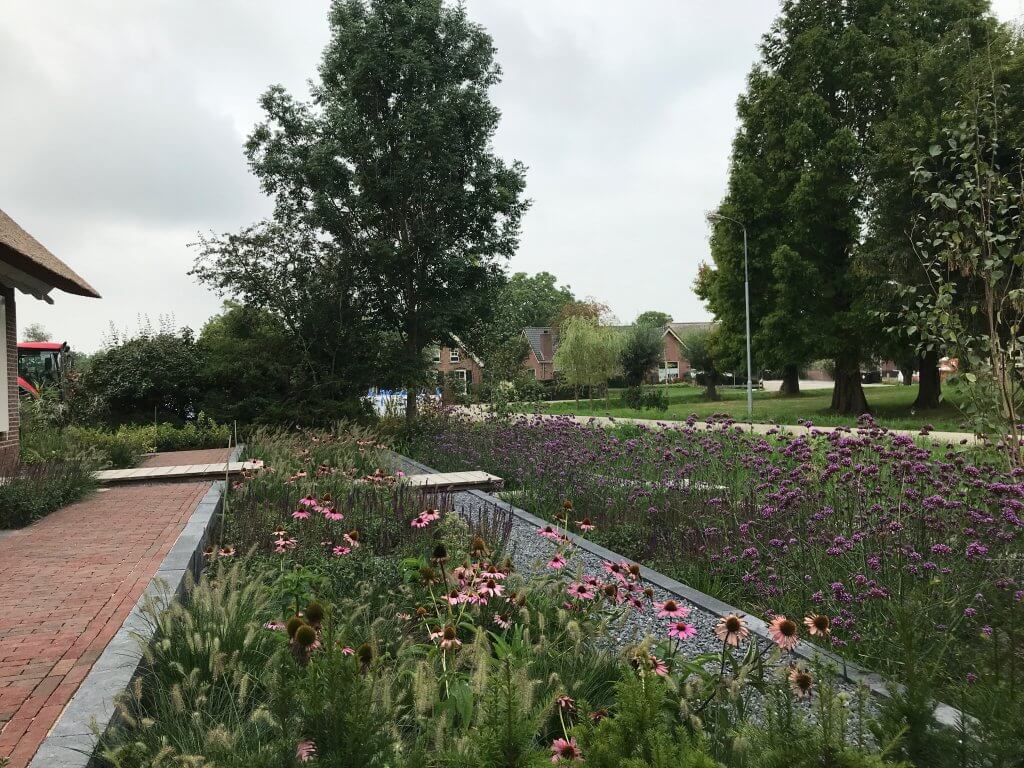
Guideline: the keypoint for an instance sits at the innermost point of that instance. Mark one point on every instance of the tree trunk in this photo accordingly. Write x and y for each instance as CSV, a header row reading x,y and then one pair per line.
x,y
710,389
790,380
410,404
848,395
908,375
930,389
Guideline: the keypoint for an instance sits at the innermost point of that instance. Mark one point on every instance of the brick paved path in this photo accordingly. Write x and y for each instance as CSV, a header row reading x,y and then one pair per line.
x,y
183,458
67,583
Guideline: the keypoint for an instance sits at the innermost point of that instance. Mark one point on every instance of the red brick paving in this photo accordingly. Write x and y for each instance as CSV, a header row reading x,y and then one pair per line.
x,y
67,583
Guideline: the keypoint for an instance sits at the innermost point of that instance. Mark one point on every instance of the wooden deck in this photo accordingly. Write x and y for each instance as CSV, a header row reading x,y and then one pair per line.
x,y
183,472
456,481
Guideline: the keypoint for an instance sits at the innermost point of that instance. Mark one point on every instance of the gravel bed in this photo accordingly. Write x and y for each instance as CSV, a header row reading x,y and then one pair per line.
x,y
530,553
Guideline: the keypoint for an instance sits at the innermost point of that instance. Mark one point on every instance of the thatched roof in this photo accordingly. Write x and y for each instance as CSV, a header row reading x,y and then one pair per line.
x,y
26,255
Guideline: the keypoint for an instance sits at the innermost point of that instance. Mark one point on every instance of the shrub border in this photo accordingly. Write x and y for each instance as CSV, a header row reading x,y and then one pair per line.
x,y
945,715
91,711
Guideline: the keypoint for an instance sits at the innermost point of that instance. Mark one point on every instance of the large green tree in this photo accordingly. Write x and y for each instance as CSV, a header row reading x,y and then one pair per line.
x,y
803,179
391,164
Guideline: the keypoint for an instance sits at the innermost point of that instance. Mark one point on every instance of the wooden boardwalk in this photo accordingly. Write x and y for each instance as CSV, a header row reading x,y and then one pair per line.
x,y
180,472
456,481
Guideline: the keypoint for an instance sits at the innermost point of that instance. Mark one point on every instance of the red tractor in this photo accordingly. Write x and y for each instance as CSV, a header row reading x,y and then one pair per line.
x,y
41,364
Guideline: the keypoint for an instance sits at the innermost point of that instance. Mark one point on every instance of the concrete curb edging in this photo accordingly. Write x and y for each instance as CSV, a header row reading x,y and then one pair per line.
x,y
91,711
945,715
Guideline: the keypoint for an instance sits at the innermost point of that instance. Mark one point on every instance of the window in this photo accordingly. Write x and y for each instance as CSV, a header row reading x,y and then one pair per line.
x,y
460,376
668,370
437,356
453,357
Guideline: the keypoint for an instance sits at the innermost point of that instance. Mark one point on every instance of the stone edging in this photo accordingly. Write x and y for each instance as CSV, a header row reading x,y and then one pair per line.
x,y
946,715
73,738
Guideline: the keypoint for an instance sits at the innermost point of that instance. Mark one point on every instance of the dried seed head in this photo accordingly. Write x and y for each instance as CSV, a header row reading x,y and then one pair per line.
x,y
305,636
293,625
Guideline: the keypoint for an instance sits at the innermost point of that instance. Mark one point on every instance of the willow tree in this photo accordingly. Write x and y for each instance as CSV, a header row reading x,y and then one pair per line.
x,y
391,163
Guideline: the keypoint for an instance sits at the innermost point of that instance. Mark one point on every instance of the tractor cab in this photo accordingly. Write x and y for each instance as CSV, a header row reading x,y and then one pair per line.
x,y
41,364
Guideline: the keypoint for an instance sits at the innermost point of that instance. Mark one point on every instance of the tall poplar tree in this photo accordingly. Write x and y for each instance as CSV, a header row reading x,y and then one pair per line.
x,y
804,178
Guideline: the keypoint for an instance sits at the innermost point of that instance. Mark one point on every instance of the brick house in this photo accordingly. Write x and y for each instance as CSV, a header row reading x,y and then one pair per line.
x,y
458,363
26,265
543,341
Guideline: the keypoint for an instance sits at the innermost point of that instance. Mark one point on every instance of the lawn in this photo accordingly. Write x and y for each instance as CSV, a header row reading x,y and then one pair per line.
x,y
891,406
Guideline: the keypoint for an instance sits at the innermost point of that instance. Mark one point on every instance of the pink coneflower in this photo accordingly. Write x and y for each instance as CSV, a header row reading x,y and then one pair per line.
x,y
598,715
585,525
352,539
340,551
731,629
615,569
430,515
567,703
818,624
681,630
419,522
557,562
308,501
348,650
283,545
800,681
580,591
548,533
280,533
227,551
305,751
671,609
455,597
490,588
256,463
332,514
783,632
658,666
612,592
563,751
274,626
592,581
301,514
493,573
502,621
449,638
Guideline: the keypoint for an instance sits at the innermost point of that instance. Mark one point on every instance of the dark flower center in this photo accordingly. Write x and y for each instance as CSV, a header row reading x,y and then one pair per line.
x,y
787,628
732,624
449,633
671,605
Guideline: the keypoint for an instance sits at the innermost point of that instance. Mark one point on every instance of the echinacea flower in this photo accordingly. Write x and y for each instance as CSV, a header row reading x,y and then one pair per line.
x,y
419,522
449,638
352,539
502,621
585,525
280,533
580,591
557,562
548,533
305,751
567,703
783,632
340,551
671,609
274,626
490,588
731,629
565,751
332,514
308,501
227,551
800,681
301,514
818,624
681,630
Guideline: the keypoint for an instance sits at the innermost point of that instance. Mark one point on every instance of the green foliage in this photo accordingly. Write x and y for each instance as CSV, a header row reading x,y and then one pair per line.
x,y
653,319
703,351
391,208
523,300
641,352
32,491
250,368
639,398
139,379
588,354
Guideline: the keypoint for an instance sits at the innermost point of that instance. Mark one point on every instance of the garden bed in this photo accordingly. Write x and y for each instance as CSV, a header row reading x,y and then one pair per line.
x,y
371,625
914,555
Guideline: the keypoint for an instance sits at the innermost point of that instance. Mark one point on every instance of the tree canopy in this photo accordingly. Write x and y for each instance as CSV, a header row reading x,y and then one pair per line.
x,y
388,177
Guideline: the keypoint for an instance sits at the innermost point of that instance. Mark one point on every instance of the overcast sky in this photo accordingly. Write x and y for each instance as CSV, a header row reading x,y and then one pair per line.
x,y
124,121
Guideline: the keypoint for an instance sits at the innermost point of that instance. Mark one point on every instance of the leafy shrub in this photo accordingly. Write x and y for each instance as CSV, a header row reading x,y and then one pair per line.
x,y
639,398
29,492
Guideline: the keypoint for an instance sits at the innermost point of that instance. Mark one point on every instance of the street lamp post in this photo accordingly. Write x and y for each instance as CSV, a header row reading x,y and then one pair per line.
x,y
746,299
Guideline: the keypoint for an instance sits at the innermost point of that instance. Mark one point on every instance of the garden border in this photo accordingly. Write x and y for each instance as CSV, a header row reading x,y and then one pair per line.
x,y
945,715
72,740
